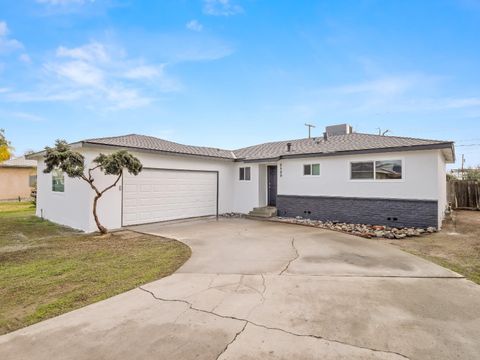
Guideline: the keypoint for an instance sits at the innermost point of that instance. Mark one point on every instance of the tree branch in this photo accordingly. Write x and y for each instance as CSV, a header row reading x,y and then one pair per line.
x,y
90,182
90,172
113,185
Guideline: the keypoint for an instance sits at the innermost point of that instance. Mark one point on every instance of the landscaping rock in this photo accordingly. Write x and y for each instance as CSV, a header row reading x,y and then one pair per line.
x,y
363,230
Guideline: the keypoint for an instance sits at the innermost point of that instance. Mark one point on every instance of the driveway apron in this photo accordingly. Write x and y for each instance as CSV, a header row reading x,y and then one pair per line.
x,y
265,290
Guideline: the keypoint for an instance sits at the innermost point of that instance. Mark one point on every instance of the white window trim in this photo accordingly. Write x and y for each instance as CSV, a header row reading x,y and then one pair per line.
x,y
244,167
311,175
375,180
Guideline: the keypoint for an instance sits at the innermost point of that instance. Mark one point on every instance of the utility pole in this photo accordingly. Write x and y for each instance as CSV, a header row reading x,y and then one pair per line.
x,y
310,126
463,164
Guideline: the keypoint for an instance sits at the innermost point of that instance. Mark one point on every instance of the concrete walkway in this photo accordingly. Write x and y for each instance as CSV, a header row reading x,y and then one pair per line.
x,y
262,290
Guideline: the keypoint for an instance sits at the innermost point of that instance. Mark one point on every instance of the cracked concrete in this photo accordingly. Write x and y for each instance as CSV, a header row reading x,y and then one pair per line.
x,y
272,291
265,327
296,256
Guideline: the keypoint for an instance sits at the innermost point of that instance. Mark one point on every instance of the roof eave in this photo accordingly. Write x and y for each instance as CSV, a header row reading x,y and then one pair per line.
x,y
94,144
446,145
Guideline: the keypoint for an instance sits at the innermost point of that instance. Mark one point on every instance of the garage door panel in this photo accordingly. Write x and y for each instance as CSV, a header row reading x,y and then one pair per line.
x,y
160,195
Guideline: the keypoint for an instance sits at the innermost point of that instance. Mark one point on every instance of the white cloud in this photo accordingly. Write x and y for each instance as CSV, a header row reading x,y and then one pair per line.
x,y
122,98
144,72
25,58
91,52
382,86
194,25
221,8
461,103
7,44
27,116
64,2
99,76
79,72
394,94
44,94
3,29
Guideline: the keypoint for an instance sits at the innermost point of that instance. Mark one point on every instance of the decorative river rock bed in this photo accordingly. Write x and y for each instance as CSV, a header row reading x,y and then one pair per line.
x,y
366,231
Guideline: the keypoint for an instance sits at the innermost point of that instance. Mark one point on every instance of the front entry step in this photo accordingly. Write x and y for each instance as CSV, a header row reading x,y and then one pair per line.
x,y
265,211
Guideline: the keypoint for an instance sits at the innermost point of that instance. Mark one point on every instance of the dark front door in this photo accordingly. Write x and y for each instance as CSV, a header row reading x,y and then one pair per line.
x,y
272,185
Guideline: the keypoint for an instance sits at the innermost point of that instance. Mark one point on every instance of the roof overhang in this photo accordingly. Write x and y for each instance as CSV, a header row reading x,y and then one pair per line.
x,y
88,144
163,152
447,148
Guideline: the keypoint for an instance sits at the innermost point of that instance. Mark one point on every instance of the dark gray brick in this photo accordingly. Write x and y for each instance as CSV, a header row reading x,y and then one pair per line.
x,y
392,212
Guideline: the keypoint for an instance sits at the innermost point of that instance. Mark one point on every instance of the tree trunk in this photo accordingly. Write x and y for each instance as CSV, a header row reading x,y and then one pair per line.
x,y
100,227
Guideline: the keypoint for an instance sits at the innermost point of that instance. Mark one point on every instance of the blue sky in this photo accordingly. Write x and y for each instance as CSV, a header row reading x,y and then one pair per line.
x,y
232,73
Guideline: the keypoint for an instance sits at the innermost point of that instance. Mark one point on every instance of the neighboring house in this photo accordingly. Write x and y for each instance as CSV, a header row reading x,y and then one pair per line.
x,y
342,176
17,178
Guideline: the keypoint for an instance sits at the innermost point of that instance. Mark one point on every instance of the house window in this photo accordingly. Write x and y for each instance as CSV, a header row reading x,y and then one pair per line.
x,y
58,181
311,169
32,180
376,170
388,169
362,170
244,173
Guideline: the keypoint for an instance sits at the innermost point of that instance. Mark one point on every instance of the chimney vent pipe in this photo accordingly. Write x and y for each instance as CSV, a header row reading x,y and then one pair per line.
x,y
289,147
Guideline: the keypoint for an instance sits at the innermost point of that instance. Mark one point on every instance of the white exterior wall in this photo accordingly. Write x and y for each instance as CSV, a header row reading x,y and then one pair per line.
x,y
420,179
74,206
442,188
70,208
424,179
245,193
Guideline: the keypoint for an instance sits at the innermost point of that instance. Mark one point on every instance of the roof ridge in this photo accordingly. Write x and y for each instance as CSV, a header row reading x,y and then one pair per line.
x,y
405,137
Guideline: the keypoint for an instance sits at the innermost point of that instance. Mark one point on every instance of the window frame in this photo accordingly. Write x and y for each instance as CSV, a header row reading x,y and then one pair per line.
x,y
374,179
311,170
55,173
30,182
244,173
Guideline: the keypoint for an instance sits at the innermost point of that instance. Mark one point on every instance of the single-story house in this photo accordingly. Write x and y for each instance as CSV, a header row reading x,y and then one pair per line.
x,y
340,176
17,178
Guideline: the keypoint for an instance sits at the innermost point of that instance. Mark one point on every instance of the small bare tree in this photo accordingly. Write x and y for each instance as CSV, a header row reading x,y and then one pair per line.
x,y
72,163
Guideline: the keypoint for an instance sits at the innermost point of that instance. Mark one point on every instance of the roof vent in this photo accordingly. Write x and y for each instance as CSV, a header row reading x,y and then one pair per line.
x,y
289,147
342,129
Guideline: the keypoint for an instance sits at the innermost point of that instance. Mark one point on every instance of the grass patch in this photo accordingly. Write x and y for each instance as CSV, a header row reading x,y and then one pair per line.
x,y
47,270
16,206
456,247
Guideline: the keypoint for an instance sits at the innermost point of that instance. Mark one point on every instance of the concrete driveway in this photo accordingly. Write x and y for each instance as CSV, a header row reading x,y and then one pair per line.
x,y
263,290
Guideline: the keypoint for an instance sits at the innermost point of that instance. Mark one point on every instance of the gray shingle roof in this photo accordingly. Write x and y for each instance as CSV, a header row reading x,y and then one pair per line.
x,y
334,145
152,143
19,162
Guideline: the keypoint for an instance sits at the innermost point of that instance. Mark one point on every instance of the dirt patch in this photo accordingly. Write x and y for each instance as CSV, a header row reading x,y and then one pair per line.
x,y
456,247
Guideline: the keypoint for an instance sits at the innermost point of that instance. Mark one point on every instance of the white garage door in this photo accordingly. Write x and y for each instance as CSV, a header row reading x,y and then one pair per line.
x,y
160,195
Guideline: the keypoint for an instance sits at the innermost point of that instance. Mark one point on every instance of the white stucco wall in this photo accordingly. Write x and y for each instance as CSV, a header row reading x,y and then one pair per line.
x,y
424,174
245,193
420,179
68,208
442,187
73,207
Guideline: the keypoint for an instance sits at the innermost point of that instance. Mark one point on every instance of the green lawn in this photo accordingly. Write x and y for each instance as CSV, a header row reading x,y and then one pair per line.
x,y
47,270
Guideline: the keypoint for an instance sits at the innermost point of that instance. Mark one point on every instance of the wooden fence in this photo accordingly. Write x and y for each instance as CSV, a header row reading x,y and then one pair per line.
x,y
464,194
